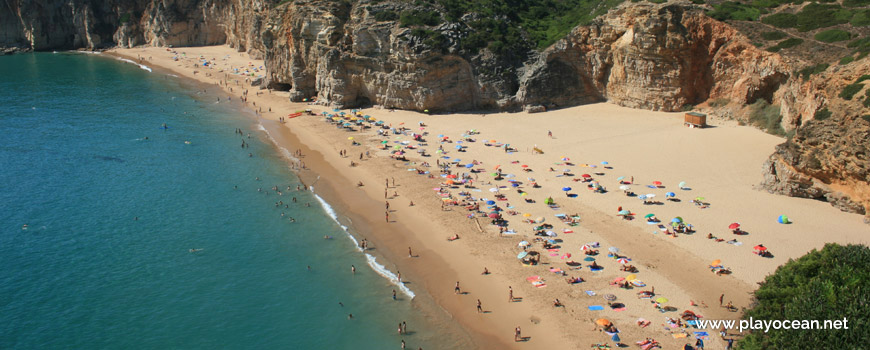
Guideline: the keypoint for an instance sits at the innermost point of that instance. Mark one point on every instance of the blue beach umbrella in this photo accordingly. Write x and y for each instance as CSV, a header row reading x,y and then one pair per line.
x,y
782,219
469,165
457,160
676,220
522,255
605,163
670,194
642,197
490,202
566,189
458,146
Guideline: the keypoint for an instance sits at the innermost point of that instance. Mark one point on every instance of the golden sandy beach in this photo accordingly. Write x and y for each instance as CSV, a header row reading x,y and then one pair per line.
x,y
721,164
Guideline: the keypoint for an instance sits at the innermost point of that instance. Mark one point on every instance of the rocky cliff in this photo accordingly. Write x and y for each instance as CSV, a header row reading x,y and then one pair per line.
x,y
353,53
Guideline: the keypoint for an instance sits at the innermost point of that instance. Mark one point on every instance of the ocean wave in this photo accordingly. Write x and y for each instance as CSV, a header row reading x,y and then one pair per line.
x,y
284,152
371,260
134,62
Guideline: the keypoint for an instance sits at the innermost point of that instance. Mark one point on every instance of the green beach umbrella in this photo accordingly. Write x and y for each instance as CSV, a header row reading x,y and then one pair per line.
x,y
649,215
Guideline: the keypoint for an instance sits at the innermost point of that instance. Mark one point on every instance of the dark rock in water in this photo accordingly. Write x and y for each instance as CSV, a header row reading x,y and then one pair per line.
x,y
110,159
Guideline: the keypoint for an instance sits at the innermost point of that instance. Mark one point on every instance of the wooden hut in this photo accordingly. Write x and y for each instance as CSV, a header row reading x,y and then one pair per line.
x,y
695,119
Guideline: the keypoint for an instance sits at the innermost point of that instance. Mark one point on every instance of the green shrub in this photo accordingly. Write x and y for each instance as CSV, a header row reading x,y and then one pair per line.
x,y
822,114
658,1
833,35
867,98
850,90
828,284
847,60
862,78
781,20
698,2
766,116
808,71
815,16
866,117
386,16
785,44
860,18
774,35
858,42
124,18
419,18
856,3
734,10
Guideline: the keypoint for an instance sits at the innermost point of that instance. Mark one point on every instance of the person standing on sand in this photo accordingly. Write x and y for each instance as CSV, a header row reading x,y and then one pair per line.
x,y
720,299
479,306
518,334
549,134
399,276
388,216
387,205
456,289
409,253
510,294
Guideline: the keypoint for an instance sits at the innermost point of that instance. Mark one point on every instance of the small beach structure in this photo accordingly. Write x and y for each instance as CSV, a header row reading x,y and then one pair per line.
x,y
695,120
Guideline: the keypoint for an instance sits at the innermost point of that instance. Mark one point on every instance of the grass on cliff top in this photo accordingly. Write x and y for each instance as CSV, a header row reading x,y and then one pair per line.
x,y
501,24
785,44
812,16
766,117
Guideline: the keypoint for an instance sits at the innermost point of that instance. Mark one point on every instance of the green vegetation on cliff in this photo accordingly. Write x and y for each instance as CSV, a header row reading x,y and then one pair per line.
x,y
828,284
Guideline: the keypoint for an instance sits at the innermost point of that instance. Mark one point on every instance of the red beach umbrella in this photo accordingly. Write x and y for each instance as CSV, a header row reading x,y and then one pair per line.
x,y
760,247
657,183
586,175
733,226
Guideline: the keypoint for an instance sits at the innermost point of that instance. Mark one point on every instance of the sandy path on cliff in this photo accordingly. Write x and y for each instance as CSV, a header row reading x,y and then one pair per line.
x,y
721,164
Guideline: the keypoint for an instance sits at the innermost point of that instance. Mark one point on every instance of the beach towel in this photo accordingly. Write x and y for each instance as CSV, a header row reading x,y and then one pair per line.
x,y
552,250
619,309
701,335
554,254
556,270
567,231
533,278
509,232
590,293
539,284
596,307
679,335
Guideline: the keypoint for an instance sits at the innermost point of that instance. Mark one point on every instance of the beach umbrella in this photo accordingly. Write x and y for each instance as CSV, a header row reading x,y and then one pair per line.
x,y
670,194
527,215
613,249
631,277
677,220
585,247
662,300
642,197
586,176
782,219
615,337
620,178
490,202
514,184
494,189
649,215
539,219
760,247
522,255
605,163
523,243
565,159
733,226
458,146
588,258
551,234
682,185
566,189
650,195
609,297
457,160
625,187
469,165
699,198
524,166
603,322
657,183
493,215
624,212
716,262
623,261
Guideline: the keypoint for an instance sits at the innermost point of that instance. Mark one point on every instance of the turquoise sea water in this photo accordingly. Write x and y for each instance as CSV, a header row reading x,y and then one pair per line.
x,y
86,274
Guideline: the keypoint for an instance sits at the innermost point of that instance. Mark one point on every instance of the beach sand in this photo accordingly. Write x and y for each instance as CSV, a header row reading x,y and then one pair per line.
x,y
722,164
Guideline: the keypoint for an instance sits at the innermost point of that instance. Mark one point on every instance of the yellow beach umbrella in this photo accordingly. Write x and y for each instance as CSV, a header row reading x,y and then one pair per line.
x,y
631,277
716,262
526,215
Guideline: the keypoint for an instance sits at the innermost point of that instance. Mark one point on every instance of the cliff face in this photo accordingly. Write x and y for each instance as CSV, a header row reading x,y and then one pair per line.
x,y
826,159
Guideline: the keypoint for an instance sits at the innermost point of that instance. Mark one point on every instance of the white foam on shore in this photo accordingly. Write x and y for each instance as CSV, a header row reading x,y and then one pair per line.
x,y
134,62
284,152
371,260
